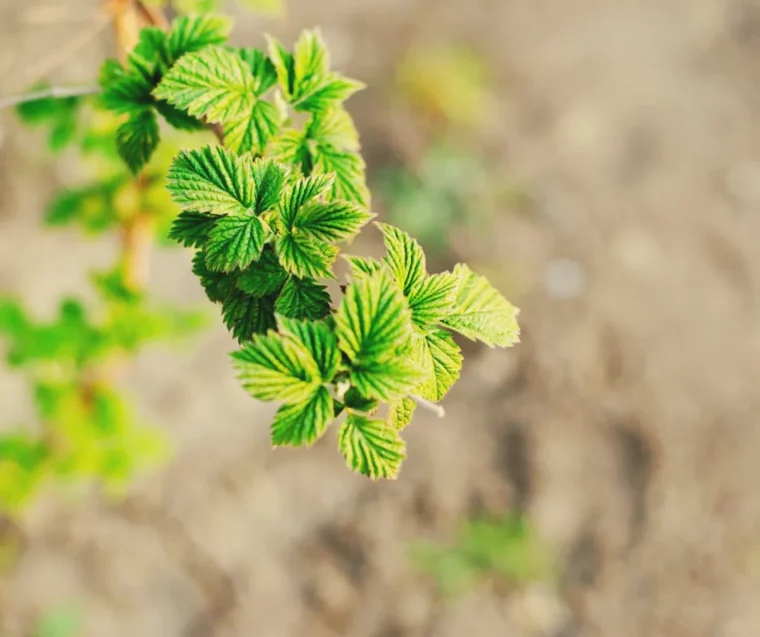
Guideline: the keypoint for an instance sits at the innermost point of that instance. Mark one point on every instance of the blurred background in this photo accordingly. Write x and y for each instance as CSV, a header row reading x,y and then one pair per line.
x,y
599,161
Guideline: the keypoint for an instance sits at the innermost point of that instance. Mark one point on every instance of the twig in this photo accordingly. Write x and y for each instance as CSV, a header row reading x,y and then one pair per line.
x,y
152,15
61,56
54,92
431,406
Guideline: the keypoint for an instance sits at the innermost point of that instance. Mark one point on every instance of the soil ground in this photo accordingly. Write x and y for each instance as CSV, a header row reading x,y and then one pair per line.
x,y
625,424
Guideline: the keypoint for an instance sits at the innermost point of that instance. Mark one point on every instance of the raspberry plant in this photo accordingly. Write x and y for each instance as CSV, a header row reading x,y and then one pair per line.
x,y
267,210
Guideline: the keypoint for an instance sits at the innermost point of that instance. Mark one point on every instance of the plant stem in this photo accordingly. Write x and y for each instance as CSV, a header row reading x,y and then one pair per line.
x,y
54,92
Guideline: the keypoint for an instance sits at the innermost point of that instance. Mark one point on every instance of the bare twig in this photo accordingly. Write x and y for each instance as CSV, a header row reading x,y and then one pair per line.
x,y
431,406
54,92
62,55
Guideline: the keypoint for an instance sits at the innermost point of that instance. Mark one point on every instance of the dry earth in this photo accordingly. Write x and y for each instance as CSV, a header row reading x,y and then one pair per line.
x,y
625,424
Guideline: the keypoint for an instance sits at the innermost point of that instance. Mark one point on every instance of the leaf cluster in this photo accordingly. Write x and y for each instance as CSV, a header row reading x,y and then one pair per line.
x,y
267,213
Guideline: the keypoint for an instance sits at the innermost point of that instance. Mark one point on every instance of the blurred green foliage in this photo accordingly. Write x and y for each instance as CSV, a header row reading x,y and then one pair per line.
x,y
449,191
63,621
507,548
84,428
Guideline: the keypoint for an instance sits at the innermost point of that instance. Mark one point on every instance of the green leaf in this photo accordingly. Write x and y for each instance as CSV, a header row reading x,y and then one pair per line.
x,y
481,312
269,177
262,68
235,242
191,228
401,411
276,367
387,378
212,179
441,356
404,257
217,285
254,129
333,127
371,447
289,146
318,95
213,83
245,315
303,423
305,258
330,221
348,167
304,76
303,299
217,84
362,266
192,33
318,339
300,193
137,139
125,91
373,320
264,276
431,299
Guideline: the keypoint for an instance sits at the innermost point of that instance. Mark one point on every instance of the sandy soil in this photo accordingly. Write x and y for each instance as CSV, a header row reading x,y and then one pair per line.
x,y
625,424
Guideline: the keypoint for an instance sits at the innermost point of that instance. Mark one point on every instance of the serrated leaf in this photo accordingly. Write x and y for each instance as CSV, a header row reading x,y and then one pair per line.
x,y
137,139
373,320
269,177
303,423
481,312
431,299
404,257
333,127
303,299
441,356
217,285
363,266
264,276
254,129
349,169
330,221
301,192
319,339
245,315
191,228
192,33
305,258
123,91
387,378
277,367
262,68
218,84
289,147
213,83
235,242
400,412
177,118
371,447
212,179
322,93
304,76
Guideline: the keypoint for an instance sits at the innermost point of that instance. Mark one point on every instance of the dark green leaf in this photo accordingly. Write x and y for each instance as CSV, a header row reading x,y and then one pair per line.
x,y
303,299
263,277
191,228
245,315
319,339
137,139
235,242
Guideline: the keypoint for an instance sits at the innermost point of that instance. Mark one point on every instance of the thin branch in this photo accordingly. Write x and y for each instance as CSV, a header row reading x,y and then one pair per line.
x,y
54,92
430,406
152,15
62,55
